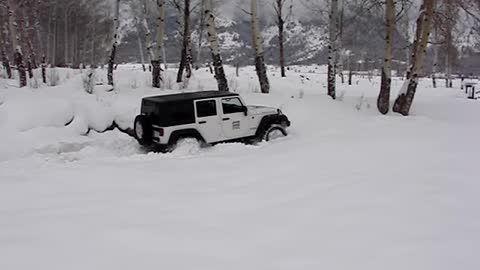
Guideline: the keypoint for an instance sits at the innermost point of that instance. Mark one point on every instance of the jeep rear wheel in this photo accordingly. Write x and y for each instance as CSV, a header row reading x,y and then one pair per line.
x,y
143,130
274,132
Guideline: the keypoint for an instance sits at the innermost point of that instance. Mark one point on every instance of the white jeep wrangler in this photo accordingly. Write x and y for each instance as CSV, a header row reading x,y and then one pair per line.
x,y
208,116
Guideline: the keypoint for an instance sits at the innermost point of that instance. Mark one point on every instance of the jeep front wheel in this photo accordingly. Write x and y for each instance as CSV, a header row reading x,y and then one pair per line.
x,y
143,130
274,132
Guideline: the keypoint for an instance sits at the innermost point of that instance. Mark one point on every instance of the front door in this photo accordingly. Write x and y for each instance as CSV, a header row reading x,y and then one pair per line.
x,y
208,120
234,121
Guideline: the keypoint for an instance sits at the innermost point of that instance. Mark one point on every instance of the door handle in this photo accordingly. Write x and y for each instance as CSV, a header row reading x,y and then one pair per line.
x,y
202,122
226,119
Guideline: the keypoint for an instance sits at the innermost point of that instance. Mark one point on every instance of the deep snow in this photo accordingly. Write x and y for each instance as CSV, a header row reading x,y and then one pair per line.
x,y
348,189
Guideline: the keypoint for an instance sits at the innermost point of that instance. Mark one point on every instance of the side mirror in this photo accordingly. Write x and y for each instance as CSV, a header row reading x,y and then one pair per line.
x,y
245,111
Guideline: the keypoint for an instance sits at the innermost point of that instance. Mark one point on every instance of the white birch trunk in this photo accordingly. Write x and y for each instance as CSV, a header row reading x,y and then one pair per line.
x,y
339,59
65,37
201,32
407,47
116,26
140,48
436,50
18,54
211,28
256,36
148,33
213,39
54,42
406,95
160,29
156,53
383,101
332,48
92,53
12,25
448,39
258,46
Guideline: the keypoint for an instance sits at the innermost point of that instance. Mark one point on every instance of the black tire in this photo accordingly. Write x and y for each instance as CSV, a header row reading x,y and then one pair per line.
x,y
273,132
143,130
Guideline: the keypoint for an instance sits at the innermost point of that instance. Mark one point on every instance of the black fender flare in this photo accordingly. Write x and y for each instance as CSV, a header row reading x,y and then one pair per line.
x,y
268,120
185,133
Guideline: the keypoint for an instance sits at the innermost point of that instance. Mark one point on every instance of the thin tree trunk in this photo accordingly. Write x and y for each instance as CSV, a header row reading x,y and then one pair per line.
x,y
186,41
350,71
282,49
111,60
164,57
49,34
435,56
18,59
40,46
212,36
74,46
148,33
407,47
339,56
200,38
406,95
189,63
65,36
258,46
332,48
6,63
18,56
55,32
449,10
4,38
44,70
27,39
92,55
140,50
350,75
383,101
12,25
156,56
281,39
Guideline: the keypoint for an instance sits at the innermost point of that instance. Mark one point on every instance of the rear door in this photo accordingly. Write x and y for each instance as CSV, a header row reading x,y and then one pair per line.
x,y
234,120
208,120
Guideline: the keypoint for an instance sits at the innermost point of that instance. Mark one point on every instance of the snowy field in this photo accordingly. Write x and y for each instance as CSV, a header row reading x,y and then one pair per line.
x,y
348,189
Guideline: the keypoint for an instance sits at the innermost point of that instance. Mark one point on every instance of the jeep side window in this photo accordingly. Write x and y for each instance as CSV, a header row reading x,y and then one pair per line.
x,y
232,105
206,108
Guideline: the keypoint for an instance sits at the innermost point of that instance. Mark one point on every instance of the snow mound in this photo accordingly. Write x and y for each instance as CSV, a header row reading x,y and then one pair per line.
x,y
187,147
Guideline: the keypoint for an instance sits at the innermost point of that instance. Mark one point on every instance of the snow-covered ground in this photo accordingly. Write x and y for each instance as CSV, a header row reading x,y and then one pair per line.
x,y
348,189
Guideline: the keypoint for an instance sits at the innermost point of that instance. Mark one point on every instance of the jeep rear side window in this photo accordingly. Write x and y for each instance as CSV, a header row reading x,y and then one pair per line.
x,y
206,108
232,105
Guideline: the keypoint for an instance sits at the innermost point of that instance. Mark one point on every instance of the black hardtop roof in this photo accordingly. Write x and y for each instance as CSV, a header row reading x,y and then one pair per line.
x,y
190,96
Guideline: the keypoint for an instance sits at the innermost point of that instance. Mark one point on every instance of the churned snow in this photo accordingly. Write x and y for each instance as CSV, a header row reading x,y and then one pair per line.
x,y
347,189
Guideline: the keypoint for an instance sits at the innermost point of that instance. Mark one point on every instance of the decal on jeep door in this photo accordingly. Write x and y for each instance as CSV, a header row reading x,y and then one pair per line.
x,y
235,125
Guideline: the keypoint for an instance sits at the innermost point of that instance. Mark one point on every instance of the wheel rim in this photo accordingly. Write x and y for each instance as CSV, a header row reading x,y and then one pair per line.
x,y
275,134
139,130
